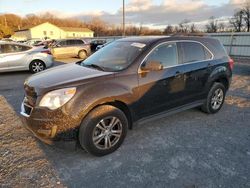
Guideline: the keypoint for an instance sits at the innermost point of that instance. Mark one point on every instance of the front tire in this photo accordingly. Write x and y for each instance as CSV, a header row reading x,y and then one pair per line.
x,y
103,130
215,99
37,66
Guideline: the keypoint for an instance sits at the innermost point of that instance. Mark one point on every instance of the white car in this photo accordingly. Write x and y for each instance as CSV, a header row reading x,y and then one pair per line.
x,y
17,57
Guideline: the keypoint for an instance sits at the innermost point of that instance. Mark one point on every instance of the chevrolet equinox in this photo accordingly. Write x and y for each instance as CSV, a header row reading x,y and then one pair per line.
x,y
128,81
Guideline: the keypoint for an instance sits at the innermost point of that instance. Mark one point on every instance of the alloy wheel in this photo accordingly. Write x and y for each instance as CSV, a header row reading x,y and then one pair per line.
x,y
107,133
217,99
37,66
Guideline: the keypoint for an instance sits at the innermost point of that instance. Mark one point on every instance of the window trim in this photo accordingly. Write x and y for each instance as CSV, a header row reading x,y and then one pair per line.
x,y
177,55
176,41
206,48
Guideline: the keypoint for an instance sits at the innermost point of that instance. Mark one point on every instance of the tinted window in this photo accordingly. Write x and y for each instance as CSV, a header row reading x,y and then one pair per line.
x,y
10,48
70,42
116,56
62,43
79,42
166,54
193,51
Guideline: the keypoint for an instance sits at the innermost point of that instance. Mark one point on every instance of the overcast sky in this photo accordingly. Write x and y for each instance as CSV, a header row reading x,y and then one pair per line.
x,y
147,12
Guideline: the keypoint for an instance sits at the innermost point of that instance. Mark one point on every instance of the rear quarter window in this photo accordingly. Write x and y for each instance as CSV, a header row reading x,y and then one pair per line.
x,y
194,51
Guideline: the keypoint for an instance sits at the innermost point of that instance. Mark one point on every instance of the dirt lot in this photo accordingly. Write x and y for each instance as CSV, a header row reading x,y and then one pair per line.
x,y
188,149
22,162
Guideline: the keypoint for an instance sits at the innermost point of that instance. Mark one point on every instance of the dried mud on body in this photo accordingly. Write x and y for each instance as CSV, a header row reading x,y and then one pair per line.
x,y
22,162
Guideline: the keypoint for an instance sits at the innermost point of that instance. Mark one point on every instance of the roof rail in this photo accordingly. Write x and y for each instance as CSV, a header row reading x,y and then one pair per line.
x,y
189,34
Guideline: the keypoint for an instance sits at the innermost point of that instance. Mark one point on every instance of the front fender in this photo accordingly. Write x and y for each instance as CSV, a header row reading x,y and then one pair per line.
x,y
88,97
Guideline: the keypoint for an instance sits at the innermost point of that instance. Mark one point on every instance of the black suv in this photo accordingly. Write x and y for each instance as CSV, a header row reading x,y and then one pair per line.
x,y
128,81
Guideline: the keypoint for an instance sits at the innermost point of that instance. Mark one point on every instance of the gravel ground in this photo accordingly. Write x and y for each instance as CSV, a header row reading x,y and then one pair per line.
x,y
22,162
189,149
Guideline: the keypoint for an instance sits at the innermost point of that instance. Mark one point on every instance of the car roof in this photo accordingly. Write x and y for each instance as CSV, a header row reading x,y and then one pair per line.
x,y
15,43
143,39
69,39
155,39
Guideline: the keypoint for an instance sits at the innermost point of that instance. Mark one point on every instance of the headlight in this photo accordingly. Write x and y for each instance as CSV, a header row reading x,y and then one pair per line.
x,y
57,98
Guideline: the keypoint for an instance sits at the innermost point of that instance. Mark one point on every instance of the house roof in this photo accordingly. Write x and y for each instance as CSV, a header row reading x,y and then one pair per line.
x,y
72,29
76,29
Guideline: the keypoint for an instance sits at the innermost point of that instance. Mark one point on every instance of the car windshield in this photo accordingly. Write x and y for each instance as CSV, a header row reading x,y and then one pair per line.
x,y
115,56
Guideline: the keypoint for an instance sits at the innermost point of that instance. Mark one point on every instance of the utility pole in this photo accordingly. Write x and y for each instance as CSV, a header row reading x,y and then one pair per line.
x,y
123,19
5,21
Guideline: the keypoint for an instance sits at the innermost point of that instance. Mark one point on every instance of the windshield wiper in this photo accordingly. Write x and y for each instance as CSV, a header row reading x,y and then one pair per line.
x,y
94,66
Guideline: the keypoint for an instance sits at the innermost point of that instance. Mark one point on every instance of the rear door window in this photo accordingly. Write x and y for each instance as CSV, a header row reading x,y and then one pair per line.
x,y
79,42
193,52
71,42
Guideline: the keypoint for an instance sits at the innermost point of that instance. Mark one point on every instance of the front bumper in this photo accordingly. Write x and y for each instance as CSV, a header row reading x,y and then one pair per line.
x,y
50,125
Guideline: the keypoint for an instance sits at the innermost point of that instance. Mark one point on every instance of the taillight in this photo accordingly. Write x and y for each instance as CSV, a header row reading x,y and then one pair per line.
x,y
46,52
231,63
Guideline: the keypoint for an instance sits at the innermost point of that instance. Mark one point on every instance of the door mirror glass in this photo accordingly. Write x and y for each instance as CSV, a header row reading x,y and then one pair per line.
x,y
152,66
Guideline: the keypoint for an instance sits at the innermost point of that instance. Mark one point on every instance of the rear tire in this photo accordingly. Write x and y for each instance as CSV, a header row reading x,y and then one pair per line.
x,y
82,54
215,99
103,130
37,66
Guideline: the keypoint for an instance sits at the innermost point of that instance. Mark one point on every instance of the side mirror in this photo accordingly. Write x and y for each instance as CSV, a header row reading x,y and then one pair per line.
x,y
152,66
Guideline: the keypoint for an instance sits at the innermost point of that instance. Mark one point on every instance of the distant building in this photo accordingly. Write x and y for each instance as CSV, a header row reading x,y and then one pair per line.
x,y
50,31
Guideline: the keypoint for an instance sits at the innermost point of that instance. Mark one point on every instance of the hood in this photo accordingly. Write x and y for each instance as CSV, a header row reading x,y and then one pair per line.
x,y
63,75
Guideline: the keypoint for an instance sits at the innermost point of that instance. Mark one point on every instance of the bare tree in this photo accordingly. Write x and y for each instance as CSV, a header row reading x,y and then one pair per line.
x,y
212,26
246,16
193,29
237,21
168,30
98,26
221,27
184,26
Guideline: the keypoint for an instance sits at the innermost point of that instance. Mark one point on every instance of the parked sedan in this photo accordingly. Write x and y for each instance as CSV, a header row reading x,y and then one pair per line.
x,y
17,57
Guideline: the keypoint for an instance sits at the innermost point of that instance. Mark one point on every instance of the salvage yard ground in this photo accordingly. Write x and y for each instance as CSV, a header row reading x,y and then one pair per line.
x,y
189,149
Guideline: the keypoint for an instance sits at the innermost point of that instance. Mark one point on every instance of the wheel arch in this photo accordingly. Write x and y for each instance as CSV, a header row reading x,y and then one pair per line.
x,y
84,50
33,60
118,104
224,81
36,59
